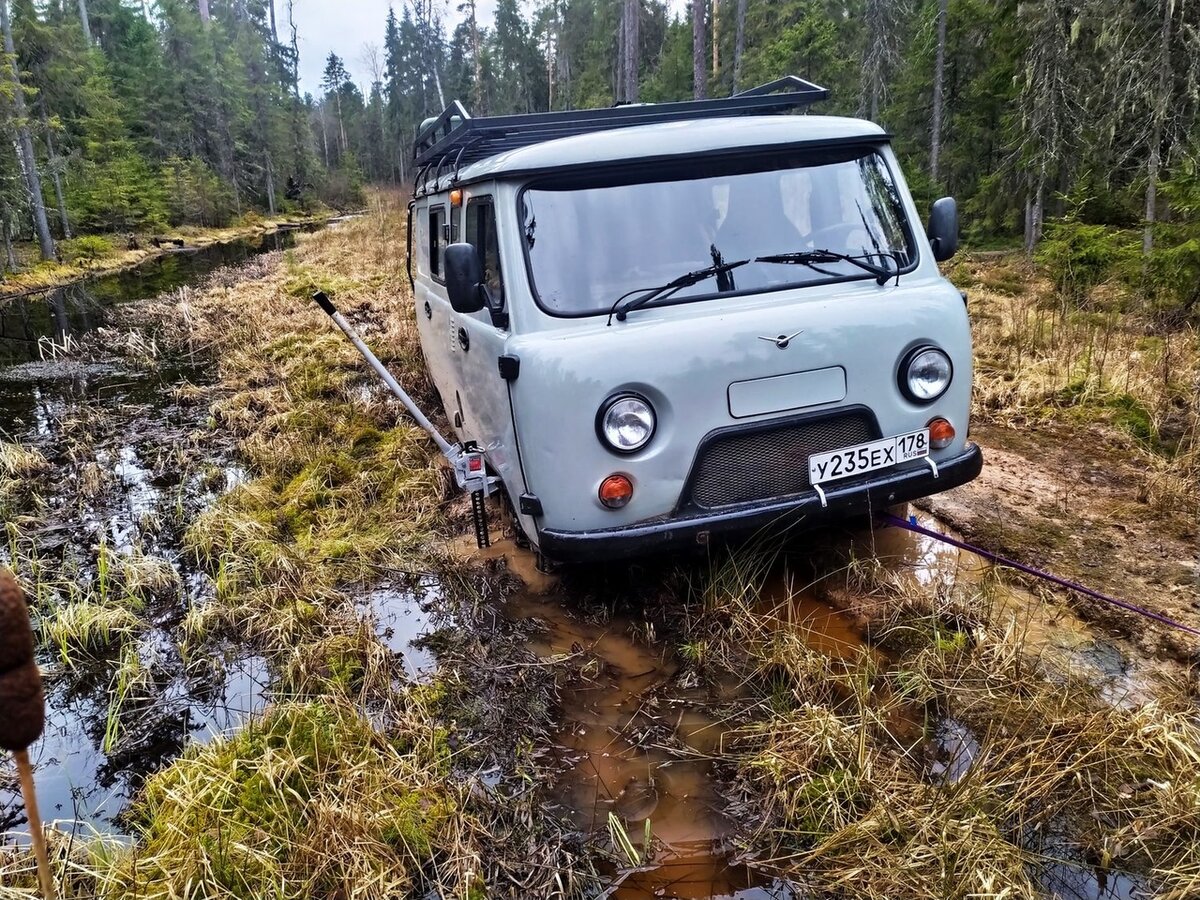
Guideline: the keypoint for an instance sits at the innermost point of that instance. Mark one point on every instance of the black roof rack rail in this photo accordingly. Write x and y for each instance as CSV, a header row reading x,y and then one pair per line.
x,y
457,138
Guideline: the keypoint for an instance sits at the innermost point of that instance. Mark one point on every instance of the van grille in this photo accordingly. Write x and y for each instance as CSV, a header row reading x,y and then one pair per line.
x,y
744,466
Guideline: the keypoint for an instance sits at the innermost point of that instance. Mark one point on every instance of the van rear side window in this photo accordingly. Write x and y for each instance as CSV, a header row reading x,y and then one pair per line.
x,y
437,221
481,234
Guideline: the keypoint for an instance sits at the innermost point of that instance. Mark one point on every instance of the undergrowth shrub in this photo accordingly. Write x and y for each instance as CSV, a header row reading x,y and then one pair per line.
x,y
1078,257
88,248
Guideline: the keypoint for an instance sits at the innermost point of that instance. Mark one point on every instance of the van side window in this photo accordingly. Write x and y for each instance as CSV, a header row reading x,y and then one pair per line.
x,y
420,244
481,234
437,219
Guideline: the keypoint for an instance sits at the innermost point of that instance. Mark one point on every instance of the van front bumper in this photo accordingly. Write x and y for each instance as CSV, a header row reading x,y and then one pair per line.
x,y
805,511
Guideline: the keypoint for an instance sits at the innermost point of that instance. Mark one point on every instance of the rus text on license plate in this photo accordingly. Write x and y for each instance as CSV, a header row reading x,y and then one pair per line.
x,y
862,458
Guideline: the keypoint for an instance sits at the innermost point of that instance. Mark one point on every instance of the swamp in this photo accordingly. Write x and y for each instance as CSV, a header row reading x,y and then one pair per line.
x,y
277,662
277,666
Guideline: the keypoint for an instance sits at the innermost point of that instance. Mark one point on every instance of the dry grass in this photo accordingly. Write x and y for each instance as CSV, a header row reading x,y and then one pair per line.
x,y
87,627
1041,360
841,768
350,786
344,489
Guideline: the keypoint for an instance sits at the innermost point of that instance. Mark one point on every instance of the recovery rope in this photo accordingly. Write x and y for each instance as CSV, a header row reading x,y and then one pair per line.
x,y
910,524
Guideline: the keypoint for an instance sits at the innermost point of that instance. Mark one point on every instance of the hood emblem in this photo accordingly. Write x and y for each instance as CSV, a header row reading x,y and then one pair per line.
x,y
783,340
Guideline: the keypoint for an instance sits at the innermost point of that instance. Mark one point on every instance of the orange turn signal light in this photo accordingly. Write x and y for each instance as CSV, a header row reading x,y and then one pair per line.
x,y
616,491
941,433
456,198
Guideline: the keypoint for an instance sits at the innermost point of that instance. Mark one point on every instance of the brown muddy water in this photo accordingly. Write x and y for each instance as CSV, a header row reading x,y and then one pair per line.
x,y
640,738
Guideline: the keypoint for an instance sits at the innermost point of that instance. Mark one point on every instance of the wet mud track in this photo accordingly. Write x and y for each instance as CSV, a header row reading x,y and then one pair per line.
x,y
640,752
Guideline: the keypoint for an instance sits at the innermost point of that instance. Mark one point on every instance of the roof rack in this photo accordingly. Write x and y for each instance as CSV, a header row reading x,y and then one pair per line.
x,y
455,139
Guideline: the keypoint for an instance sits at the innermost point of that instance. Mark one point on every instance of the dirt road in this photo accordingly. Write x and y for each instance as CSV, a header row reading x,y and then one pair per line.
x,y
1063,501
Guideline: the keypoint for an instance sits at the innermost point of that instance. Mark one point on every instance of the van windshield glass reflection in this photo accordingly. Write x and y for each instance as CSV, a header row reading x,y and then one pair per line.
x,y
590,245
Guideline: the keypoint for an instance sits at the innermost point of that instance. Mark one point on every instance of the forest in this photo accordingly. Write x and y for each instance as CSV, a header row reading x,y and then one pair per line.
x,y
1068,125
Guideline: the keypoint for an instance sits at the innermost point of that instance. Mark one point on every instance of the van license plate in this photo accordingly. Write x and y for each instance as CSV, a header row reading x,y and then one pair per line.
x,y
879,454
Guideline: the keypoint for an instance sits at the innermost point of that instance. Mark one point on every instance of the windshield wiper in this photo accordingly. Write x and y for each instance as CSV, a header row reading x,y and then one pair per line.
x,y
626,303
811,257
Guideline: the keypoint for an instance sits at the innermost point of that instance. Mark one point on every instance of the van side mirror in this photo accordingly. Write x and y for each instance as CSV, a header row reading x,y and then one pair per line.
x,y
943,228
465,286
464,278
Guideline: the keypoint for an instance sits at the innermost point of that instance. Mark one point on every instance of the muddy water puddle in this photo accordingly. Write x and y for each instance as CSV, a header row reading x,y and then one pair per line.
x,y
1066,646
124,480
642,736
641,739
637,749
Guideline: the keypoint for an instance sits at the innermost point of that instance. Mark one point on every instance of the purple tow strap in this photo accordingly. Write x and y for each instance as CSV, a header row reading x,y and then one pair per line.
x,y
911,525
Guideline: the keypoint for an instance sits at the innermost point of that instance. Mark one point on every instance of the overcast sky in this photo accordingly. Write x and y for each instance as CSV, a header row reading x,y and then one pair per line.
x,y
344,27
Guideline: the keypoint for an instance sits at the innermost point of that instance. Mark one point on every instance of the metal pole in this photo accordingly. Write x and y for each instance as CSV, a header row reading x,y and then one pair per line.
x,y
326,304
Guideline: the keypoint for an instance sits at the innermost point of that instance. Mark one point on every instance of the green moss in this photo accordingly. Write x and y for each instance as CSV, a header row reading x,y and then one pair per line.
x,y
1132,416
303,282
347,668
245,817
1124,411
409,820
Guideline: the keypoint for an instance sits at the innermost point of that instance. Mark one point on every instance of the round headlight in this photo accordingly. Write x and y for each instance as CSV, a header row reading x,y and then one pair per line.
x,y
927,374
627,423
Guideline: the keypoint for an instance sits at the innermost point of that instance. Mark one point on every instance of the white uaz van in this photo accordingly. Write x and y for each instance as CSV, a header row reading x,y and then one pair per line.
x,y
665,322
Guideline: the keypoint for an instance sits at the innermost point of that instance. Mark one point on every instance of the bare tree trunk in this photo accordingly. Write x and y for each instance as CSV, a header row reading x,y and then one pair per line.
x,y
325,137
205,15
476,61
55,174
939,75
699,45
739,45
1161,102
716,38
83,19
274,28
1029,223
631,41
1034,212
9,256
337,99
881,52
25,154
619,73
270,172
424,15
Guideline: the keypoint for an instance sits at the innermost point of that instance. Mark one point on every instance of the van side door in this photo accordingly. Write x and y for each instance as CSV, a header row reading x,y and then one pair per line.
x,y
487,412
435,318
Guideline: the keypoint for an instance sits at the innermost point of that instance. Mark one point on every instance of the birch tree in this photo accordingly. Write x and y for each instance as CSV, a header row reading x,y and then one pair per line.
x,y
24,143
939,79
631,47
83,20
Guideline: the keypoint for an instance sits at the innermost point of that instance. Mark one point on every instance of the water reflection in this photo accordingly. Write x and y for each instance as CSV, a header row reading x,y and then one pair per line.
x,y
32,326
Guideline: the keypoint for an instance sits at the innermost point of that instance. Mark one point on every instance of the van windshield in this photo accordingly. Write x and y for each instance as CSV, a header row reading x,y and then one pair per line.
x,y
590,242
